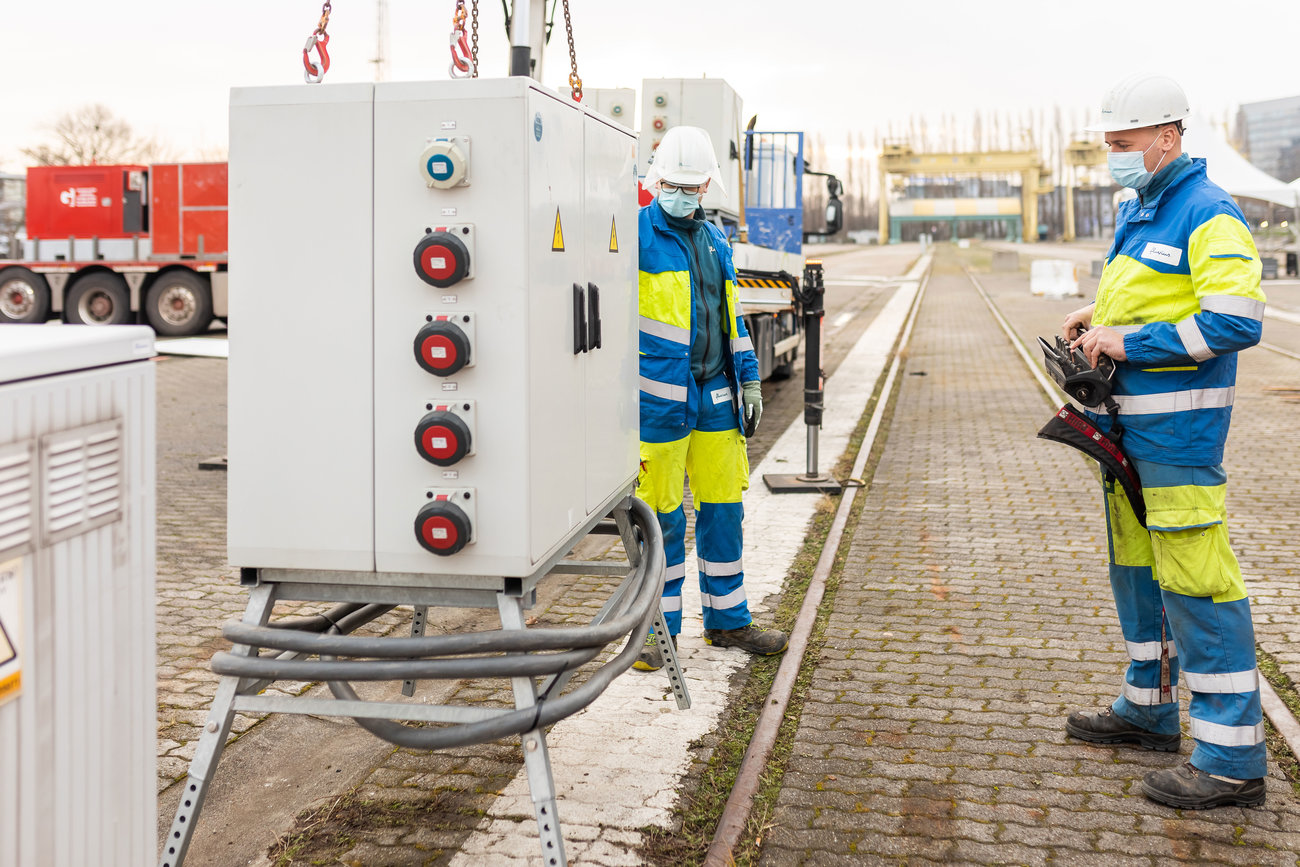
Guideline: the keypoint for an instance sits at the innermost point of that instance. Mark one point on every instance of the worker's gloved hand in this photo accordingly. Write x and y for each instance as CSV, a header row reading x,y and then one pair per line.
x,y
752,400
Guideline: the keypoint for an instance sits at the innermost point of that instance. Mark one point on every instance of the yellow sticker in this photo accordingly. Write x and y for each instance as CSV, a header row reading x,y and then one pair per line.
x,y
557,240
613,236
11,634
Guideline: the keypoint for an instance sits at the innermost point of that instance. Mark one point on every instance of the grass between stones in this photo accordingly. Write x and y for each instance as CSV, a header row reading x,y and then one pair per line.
x,y
1286,691
701,805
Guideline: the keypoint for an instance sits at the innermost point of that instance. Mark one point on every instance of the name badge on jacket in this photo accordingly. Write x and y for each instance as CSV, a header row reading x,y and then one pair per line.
x,y
1163,253
721,395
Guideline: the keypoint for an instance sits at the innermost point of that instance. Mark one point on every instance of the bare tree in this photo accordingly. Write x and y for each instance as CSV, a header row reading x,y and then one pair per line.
x,y
92,135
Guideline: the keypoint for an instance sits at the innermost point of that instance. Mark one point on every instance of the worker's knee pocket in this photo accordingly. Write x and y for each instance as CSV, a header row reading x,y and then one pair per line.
x,y
718,466
659,482
1197,561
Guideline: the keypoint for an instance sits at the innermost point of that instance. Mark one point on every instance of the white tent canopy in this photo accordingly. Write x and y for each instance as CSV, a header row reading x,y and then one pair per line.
x,y
1231,170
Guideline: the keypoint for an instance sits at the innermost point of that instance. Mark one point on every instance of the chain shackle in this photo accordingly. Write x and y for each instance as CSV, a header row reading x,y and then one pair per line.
x,y
314,70
575,80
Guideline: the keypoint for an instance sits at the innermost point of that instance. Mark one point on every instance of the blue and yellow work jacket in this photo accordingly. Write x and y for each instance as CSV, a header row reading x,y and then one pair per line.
x,y
1181,283
670,397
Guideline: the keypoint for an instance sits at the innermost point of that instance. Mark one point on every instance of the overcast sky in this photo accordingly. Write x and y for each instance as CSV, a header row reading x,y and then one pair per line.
x,y
166,66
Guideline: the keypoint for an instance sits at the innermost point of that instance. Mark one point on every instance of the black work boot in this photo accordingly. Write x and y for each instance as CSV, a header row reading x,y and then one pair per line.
x,y
1108,727
763,642
1189,788
651,657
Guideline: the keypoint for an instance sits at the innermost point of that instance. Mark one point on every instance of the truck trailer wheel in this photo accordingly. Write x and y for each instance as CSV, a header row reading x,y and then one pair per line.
x,y
179,303
24,296
98,299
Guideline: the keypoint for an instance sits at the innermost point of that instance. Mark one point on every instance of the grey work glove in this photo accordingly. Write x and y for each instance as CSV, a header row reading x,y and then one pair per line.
x,y
752,400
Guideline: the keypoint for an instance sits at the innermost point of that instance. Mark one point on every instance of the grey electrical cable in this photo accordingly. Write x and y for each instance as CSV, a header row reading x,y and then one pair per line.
x,y
517,653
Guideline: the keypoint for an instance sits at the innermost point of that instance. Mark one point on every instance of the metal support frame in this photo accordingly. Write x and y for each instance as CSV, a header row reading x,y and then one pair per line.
x,y
237,694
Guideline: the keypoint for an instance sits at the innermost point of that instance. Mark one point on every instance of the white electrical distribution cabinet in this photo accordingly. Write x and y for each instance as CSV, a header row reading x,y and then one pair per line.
x,y
435,371
712,105
78,689
616,103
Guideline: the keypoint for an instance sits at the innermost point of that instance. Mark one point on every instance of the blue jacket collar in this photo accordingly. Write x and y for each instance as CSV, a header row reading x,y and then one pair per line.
x,y
1145,209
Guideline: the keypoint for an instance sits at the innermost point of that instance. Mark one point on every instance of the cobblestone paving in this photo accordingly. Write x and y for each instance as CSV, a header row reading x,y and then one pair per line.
x,y
198,591
1262,458
974,613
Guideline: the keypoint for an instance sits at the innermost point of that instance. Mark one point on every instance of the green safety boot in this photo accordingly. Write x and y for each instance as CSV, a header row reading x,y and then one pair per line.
x,y
1189,788
1108,727
763,642
651,657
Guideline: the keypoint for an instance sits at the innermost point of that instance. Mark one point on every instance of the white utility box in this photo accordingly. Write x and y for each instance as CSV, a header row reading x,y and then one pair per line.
x,y
78,706
709,103
1054,278
435,369
616,103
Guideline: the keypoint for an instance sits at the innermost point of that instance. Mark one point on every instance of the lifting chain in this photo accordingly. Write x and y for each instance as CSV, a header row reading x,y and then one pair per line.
x,y
463,63
575,81
318,40
474,29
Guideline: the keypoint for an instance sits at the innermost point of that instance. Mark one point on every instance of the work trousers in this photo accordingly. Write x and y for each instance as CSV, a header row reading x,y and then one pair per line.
x,y
1178,589
713,456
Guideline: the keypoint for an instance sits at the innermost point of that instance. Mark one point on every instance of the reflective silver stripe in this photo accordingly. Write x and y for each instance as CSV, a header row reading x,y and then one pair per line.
x,y
664,390
676,571
1233,681
731,600
1193,341
670,603
1227,736
1125,329
1176,401
1233,305
740,344
740,310
675,333
1148,650
733,567
1147,697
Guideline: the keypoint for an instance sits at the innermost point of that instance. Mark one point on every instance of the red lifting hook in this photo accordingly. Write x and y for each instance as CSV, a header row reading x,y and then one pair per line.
x,y
316,71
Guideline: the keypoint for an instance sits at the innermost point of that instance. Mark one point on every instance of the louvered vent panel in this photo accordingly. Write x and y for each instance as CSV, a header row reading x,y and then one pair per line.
x,y
17,488
81,471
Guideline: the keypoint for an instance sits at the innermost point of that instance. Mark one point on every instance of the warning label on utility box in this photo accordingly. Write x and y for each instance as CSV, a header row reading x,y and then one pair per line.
x,y
11,634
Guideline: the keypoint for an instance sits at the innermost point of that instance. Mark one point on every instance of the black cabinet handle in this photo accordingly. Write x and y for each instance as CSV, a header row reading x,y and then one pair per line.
x,y
593,316
579,320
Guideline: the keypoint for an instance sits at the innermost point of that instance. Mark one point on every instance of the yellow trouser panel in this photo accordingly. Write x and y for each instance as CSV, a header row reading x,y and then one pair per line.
x,y
1187,544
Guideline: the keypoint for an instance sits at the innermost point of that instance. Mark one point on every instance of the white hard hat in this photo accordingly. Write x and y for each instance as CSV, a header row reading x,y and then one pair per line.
x,y
684,156
1141,100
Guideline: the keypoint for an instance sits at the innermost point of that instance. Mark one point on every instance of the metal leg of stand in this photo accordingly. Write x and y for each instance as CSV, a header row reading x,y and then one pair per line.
x,y
211,743
671,668
537,762
418,620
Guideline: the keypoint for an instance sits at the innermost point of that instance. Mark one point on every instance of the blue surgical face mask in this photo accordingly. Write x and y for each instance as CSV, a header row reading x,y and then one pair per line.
x,y
1129,168
678,203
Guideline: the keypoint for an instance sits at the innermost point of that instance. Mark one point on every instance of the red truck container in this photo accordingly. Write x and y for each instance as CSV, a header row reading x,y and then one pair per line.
x,y
117,244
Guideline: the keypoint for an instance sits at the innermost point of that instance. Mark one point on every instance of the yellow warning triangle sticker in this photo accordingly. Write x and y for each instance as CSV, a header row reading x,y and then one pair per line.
x,y
613,236
557,240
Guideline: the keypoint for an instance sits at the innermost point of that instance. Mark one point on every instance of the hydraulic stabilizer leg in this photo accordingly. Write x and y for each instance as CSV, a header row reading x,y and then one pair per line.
x,y
812,296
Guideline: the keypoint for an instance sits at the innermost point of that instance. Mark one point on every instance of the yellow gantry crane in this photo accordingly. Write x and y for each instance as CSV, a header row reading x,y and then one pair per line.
x,y
1079,153
901,160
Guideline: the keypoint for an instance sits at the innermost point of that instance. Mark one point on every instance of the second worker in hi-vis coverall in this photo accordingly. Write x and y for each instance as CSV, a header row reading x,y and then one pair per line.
x,y
699,384
1179,298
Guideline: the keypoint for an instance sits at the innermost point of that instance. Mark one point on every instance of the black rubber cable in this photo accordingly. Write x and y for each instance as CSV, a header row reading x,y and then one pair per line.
x,y
520,654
